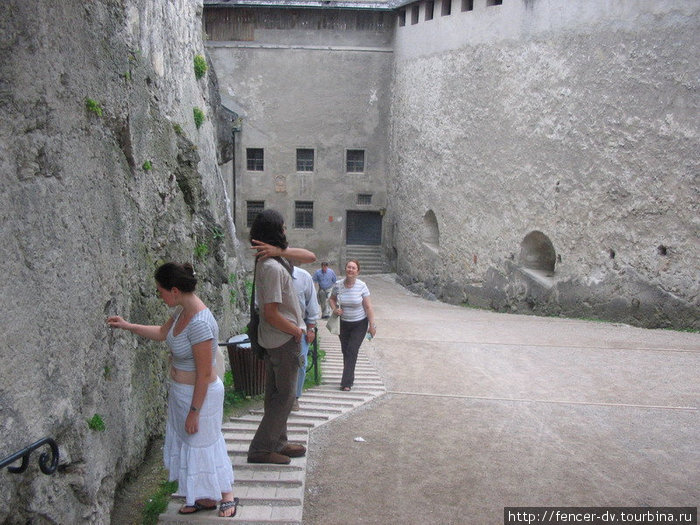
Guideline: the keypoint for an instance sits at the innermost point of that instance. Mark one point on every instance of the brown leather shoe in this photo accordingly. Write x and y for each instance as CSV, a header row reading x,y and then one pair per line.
x,y
268,457
293,451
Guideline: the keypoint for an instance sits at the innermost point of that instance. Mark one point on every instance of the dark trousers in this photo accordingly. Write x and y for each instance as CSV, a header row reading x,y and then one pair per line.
x,y
282,369
351,335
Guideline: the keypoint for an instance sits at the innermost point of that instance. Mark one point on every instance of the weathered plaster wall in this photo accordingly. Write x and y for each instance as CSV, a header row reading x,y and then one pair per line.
x,y
84,226
578,119
329,95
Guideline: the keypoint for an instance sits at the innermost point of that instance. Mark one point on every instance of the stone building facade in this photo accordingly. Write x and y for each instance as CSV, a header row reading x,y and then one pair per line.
x,y
309,85
539,156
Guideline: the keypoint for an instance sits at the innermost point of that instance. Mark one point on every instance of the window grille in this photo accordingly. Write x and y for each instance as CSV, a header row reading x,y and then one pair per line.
x,y
252,210
304,214
364,198
255,159
305,160
355,161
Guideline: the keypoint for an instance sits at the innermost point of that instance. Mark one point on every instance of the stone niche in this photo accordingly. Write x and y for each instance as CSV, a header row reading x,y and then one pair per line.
x,y
537,252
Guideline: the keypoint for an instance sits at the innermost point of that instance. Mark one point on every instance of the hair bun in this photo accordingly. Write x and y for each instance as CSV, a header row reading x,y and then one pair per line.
x,y
189,268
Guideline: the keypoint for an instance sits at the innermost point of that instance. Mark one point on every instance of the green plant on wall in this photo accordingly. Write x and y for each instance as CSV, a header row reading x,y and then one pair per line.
x,y
147,166
199,117
201,250
96,423
93,106
178,129
217,233
200,66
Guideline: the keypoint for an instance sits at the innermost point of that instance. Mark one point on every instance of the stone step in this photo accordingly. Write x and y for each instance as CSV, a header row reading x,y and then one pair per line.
x,y
274,494
250,514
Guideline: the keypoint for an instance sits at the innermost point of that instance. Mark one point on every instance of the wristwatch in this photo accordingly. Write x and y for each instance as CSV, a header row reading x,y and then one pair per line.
x,y
193,408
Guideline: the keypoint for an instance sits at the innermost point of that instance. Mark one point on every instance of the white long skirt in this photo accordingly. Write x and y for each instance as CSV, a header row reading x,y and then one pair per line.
x,y
199,462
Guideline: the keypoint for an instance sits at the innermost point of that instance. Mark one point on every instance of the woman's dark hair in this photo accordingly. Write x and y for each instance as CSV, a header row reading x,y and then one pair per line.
x,y
268,227
175,275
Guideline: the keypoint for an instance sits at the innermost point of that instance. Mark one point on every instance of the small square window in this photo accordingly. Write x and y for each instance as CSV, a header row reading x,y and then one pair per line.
x,y
304,214
364,198
255,159
467,5
429,9
305,159
446,7
402,18
415,10
494,2
355,161
252,210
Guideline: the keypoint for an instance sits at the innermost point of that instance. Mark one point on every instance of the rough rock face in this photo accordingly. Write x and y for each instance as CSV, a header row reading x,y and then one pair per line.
x,y
103,176
586,133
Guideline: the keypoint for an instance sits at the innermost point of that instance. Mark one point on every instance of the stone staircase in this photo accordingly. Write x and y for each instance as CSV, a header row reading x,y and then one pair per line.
x,y
371,258
275,493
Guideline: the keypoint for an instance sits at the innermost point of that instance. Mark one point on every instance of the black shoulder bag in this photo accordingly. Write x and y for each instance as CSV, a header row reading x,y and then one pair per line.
x,y
254,322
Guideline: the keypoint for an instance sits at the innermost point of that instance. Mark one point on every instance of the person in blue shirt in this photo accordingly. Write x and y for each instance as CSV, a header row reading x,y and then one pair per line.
x,y
304,287
325,277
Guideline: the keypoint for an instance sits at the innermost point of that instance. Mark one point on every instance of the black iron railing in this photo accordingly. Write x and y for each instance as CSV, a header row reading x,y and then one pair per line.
x,y
47,462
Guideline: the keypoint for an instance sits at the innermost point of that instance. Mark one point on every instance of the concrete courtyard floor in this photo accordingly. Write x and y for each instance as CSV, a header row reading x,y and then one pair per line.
x,y
486,410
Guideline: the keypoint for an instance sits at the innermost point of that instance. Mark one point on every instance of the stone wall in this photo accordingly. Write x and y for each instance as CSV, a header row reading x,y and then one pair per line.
x,y
94,195
578,120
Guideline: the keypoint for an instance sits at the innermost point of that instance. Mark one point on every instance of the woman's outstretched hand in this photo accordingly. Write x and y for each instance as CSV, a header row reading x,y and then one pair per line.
x,y
265,250
116,321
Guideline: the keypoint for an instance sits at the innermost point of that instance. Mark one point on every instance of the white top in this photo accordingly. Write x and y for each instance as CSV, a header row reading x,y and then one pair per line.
x,y
350,299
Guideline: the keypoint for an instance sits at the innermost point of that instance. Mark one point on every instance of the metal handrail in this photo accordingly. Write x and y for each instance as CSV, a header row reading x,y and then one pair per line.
x,y
47,463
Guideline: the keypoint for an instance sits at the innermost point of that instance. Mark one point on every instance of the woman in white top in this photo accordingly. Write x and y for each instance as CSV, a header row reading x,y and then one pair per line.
x,y
350,300
194,451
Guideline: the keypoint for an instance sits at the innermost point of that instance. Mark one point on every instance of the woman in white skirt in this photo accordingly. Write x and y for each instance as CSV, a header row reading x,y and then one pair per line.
x,y
195,450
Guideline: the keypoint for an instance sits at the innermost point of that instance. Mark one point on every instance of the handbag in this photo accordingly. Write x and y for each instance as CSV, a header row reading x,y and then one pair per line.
x,y
254,322
333,323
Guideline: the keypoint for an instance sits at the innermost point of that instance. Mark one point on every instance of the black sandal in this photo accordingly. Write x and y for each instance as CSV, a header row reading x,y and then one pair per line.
x,y
226,505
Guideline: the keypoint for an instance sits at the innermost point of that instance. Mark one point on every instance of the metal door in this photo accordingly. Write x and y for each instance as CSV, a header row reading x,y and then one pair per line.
x,y
364,227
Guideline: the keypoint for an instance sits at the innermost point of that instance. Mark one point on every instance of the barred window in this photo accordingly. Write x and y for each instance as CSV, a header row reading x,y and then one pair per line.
x,y
252,210
255,159
355,161
305,159
364,198
304,214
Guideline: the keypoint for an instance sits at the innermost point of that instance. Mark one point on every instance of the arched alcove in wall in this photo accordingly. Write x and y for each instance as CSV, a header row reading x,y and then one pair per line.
x,y
431,231
537,252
